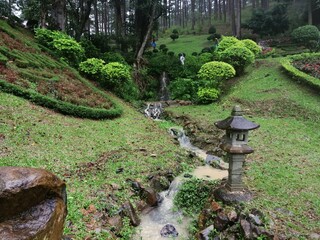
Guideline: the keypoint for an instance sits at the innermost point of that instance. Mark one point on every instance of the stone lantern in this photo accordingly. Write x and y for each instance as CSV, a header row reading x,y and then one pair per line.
x,y
235,143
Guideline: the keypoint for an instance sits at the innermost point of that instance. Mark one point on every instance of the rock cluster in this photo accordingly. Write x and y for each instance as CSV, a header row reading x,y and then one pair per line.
x,y
229,222
32,204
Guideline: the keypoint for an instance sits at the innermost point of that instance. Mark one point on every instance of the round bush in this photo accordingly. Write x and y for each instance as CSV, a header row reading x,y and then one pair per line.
x,y
213,73
252,46
92,67
305,34
116,77
115,74
113,57
205,57
207,95
69,49
183,89
227,42
212,30
238,57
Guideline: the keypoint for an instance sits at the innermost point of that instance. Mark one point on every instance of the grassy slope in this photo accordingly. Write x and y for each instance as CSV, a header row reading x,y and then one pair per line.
x,y
284,170
86,153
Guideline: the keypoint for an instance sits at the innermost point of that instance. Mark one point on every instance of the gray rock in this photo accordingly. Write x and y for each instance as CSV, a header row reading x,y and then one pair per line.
x,y
314,236
204,234
129,211
255,219
221,221
246,228
169,231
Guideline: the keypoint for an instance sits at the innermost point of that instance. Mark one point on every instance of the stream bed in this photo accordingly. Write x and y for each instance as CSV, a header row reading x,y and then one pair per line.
x,y
153,220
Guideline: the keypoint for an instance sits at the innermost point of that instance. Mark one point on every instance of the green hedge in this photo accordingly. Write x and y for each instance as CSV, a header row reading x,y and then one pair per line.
x,y
3,59
60,106
296,73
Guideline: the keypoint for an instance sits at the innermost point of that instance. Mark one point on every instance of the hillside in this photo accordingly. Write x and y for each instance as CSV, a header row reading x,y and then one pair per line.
x,y
284,170
28,70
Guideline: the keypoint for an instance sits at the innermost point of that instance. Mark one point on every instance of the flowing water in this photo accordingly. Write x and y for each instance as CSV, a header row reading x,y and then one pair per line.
x,y
156,218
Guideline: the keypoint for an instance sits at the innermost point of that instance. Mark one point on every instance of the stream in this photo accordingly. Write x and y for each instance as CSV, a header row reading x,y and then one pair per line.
x,y
154,220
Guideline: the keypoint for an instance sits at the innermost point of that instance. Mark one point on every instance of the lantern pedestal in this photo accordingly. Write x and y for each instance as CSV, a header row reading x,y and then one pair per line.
x,y
226,196
235,143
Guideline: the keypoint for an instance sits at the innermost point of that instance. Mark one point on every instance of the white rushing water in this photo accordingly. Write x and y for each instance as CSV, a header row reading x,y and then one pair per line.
x,y
156,218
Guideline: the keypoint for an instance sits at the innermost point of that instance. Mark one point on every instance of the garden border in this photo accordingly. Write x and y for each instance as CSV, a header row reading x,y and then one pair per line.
x,y
296,73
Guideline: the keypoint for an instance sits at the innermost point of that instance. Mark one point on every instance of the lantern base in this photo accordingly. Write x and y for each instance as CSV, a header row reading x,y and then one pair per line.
x,y
226,196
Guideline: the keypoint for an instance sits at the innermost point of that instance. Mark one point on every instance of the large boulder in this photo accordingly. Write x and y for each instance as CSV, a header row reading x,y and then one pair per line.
x,y
32,204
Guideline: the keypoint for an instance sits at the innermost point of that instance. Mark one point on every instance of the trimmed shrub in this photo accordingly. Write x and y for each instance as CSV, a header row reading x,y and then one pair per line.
x,y
174,35
252,46
46,37
227,42
92,67
306,35
213,73
238,57
205,57
69,49
116,77
207,95
113,57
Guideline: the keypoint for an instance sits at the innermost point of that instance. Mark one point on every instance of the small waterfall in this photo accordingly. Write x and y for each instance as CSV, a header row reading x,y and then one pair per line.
x,y
153,110
164,91
153,221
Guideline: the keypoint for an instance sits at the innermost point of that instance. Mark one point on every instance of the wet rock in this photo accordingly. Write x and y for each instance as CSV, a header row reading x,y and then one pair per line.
x,y
204,234
246,228
160,183
32,204
116,223
203,218
150,196
169,231
136,186
129,211
221,221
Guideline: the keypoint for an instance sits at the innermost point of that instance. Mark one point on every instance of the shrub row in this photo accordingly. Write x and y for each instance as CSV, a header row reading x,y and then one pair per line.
x,y
61,106
296,73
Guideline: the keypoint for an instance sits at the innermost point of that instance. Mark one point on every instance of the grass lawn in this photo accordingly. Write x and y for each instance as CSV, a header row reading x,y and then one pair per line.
x,y
186,44
284,170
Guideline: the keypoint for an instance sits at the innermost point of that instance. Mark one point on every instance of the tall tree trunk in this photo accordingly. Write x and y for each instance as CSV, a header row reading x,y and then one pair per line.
x,y
238,18
193,14
232,16
96,16
216,9
310,12
138,62
224,11
210,11
58,11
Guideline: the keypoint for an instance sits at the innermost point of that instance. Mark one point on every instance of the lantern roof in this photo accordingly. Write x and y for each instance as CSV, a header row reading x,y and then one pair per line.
x,y
236,121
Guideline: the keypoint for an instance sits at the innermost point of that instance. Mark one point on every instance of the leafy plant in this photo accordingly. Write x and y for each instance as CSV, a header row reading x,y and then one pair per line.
x,y
174,35
69,49
117,77
92,67
252,46
212,30
207,95
308,36
193,194
227,42
183,89
238,57
213,73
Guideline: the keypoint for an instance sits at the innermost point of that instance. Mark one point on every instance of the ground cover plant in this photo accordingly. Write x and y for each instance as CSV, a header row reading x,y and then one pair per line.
x,y
283,170
27,71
